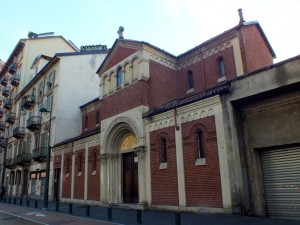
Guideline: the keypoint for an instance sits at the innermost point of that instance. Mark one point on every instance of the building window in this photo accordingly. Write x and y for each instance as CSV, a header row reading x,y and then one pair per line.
x,y
68,166
79,163
163,151
221,68
120,77
97,117
200,145
94,161
190,80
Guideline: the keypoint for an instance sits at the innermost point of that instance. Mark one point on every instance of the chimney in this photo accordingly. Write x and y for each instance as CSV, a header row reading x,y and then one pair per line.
x,y
241,16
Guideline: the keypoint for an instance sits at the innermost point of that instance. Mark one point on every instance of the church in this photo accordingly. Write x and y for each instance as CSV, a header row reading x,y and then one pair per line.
x,y
157,135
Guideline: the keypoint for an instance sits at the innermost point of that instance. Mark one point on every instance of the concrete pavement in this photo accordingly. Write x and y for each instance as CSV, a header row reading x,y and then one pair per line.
x,y
99,215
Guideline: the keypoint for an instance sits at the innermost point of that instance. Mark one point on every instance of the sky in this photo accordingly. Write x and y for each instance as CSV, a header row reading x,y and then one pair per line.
x,y
173,25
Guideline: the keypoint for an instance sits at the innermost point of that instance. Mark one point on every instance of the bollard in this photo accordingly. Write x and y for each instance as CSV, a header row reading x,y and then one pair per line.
x,y
21,201
9,199
109,213
87,211
177,218
57,205
139,216
70,208
15,201
27,202
36,203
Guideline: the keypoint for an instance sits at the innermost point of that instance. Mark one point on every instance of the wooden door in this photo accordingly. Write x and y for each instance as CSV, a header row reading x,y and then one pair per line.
x,y
130,178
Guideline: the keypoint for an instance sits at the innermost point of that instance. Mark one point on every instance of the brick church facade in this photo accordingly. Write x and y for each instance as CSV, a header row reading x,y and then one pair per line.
x,y
156,137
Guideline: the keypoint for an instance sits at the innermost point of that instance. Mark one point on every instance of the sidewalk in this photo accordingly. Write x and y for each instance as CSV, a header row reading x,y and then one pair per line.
x,y
100,215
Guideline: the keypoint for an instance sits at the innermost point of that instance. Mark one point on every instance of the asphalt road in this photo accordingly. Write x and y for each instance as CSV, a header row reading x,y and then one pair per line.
x,y
7,219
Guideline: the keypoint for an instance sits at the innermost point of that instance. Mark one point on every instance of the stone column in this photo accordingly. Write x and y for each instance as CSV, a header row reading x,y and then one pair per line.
x,y
114,178
141,153
104,178
61,174
86,172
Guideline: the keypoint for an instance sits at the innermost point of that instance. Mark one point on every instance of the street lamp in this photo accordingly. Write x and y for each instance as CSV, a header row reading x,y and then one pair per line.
x,y
43,109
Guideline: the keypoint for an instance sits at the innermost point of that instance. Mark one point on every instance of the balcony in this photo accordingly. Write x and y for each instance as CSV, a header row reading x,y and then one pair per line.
x,y
1,112
3,142
19,132
39,154
15,80
5,91
10,117
4,80
22,159
7,104
12,68
2,126
34,123
28,102
10,164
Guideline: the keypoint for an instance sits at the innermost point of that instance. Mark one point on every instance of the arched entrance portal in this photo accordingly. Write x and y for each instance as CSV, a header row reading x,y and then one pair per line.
x,y
129,169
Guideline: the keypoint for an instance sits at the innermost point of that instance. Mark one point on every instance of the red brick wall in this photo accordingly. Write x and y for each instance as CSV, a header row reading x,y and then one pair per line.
x,y
124,99
79,180
93,192
66,192
254,49
117,56
163,84
92,120
202,183
164,182
209,67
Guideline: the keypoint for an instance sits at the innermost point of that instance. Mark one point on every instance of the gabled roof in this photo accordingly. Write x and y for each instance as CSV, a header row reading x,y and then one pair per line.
x,y
237,27
117,41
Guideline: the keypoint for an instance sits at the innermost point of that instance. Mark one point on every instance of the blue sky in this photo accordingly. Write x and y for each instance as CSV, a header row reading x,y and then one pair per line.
x,y
173,25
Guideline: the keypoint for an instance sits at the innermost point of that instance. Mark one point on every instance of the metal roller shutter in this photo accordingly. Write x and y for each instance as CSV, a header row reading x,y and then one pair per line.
x,y
281,177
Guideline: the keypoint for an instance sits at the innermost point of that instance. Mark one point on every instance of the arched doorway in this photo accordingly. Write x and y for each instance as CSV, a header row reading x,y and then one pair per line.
x,y
129,169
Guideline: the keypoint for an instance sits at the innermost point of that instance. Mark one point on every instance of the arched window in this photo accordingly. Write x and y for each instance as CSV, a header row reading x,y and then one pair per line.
x,y
68,165
190,80
120,77
94,161
221,67
163,151
200,144
79,163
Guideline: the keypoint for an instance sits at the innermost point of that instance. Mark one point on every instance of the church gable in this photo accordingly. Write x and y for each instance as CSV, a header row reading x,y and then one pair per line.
x,y
117,55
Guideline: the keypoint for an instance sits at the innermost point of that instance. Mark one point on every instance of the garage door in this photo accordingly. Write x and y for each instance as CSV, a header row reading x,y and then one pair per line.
x,y
281,176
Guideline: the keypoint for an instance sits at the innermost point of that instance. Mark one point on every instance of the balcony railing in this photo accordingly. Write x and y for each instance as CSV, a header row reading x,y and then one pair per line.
x,y
19,132
39,154
7,103
22,159
10,117
10,164
12,68
34,123
5,91
3,142
28,102
2,126
15,80
4,80
1,112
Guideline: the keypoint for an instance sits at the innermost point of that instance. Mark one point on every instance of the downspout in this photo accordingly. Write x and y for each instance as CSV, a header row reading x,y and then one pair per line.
x,y
175,119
